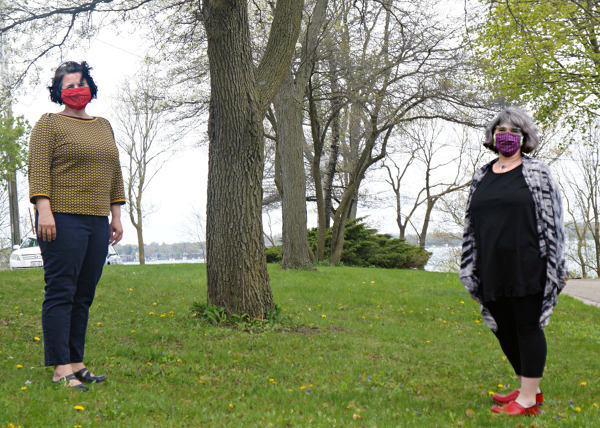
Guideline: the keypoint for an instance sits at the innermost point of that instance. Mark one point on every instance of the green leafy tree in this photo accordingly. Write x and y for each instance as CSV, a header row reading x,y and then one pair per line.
x,y
13,145
544,54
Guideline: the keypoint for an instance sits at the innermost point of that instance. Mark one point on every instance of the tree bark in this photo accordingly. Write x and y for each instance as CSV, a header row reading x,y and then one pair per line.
x,y
290,138
140,237
318,143
332,163
240,93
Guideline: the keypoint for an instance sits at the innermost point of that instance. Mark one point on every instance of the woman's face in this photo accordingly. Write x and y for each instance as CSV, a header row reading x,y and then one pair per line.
x,y
73,80
507,127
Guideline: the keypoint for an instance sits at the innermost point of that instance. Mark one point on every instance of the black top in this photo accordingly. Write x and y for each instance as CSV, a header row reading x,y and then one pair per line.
x,y
509,261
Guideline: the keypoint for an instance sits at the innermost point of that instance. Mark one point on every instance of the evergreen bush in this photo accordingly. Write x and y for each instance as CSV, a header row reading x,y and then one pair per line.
x,y
274,254
363,246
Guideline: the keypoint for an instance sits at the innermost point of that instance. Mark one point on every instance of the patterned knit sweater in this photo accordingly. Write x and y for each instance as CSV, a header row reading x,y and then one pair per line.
x,y
550,227
75,163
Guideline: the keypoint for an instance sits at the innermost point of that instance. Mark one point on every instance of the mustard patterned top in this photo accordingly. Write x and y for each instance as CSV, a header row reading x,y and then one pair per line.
x,y
75,163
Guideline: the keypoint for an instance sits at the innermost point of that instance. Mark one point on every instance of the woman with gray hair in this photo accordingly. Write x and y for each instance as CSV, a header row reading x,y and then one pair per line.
x,y
513,253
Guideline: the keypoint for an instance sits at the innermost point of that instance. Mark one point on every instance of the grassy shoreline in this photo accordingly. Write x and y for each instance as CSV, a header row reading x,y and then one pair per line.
x,y
378,348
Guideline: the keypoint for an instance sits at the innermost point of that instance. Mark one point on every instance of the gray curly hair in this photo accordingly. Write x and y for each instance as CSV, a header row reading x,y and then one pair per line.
x,y
516,117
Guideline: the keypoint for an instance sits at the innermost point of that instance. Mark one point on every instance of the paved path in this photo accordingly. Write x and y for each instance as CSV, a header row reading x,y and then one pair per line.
x,y
586,290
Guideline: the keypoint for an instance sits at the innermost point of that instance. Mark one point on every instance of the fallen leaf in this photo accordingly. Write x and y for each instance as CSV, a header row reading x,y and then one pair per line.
x,y
470,413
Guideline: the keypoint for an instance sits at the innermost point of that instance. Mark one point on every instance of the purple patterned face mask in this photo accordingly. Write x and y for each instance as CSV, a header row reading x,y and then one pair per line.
x,y
507,144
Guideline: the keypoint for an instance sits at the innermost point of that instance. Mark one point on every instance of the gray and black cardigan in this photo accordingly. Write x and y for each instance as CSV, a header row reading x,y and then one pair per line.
x,y
551,233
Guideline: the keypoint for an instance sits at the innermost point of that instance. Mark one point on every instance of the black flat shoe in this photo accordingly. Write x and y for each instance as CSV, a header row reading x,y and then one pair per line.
x,y
67,382
84,375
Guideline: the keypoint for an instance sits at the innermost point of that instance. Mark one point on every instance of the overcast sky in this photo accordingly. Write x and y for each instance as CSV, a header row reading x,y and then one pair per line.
x,y
180,186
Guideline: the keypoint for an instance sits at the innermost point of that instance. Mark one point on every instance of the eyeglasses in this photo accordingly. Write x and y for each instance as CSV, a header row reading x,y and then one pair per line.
x,y
501,130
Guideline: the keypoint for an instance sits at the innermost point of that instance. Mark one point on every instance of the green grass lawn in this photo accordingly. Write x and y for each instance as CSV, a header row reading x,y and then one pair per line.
x,y
372,348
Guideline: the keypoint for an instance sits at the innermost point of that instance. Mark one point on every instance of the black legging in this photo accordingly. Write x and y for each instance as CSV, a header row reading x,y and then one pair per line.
x,y
519,332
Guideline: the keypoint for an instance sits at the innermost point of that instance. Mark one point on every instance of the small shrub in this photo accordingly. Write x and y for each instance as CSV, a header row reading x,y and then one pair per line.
x,y
217,315
274,254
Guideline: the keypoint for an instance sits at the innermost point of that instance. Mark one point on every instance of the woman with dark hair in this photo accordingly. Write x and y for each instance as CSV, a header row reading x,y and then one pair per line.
x,y
75,181
513,253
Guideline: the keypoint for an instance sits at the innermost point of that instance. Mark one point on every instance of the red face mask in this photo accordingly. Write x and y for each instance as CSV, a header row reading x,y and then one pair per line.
x,y
76,98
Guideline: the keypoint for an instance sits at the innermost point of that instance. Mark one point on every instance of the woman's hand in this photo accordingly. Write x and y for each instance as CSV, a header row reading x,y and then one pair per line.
x,y
116,228
46,225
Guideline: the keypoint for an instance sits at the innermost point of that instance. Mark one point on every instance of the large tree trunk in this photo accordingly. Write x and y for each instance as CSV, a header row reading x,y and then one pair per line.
x,y
237,274
290,139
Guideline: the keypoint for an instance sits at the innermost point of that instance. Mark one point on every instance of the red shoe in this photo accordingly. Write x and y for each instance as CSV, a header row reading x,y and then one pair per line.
x,y
505,399
515,409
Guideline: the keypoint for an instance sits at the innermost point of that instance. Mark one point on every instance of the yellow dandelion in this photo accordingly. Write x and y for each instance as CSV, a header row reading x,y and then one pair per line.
x,y
231,405
131,289
150,313
24,388
291,390
179,360
578,409
163,315
302,387
154,304
583,383
500,386
78,408
324,316
271,380
372,282
195,314
491,393
427,341
99,324
462,303
19,366
149,363
37,339
133,331
596,405
77,426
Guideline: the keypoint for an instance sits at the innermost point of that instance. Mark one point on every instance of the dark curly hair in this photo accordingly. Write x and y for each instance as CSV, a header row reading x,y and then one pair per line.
x,y
69,67
513,116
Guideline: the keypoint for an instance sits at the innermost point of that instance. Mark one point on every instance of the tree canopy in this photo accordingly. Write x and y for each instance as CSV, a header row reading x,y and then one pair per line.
x,y
544,54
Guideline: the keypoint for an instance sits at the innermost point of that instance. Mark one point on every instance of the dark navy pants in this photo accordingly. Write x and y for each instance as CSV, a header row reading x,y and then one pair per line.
x,y
72,268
